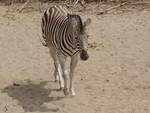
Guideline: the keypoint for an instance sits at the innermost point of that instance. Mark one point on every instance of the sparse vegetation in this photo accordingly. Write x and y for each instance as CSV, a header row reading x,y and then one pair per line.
x,y
101,6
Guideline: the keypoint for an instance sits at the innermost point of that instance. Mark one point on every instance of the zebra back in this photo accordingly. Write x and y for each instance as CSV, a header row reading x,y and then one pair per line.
x,y
49,13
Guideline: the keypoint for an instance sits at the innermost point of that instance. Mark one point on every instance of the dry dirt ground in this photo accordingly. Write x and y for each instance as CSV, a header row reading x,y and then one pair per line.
x,y
115,79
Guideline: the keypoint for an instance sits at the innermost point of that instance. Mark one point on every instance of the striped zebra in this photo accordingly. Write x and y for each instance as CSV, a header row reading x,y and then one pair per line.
x,y
65,36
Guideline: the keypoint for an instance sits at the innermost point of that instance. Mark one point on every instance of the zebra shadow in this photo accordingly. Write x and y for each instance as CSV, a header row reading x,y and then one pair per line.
x,y
31,96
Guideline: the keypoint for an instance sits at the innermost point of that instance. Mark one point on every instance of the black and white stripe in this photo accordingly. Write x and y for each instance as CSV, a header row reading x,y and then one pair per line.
x,y
55,30
64,34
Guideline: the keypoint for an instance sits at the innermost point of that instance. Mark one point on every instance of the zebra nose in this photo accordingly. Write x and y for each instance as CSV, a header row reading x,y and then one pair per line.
x,y
84,55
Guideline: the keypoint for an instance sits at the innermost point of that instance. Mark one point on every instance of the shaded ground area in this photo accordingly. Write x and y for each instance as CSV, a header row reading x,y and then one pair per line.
x,y
31,97
115,79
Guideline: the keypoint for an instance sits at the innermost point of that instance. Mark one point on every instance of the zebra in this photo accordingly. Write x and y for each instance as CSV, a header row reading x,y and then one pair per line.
x,y
65,35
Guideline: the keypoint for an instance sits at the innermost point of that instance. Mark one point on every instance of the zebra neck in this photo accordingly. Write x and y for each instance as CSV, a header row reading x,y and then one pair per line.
x,y
69,40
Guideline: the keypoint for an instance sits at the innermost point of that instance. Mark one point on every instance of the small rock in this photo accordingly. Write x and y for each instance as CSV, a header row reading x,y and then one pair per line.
x,y
15,84
107,80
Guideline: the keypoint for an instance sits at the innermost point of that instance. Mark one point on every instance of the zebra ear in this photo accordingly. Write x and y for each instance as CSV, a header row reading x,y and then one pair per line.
x,y
87,22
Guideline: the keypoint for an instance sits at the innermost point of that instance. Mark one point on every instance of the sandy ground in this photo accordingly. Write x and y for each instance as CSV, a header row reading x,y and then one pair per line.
x,y
115,79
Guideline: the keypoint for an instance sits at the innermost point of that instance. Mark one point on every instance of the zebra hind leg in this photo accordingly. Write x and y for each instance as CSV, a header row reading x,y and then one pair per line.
x,y
59,70
56,76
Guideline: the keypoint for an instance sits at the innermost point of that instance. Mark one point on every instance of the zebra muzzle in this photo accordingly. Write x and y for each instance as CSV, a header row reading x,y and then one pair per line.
x,y
84,55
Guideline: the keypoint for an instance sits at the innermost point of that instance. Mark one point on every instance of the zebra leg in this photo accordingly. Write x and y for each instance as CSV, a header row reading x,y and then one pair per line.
x,y
74,61
65,74
60,73
58,70
56,76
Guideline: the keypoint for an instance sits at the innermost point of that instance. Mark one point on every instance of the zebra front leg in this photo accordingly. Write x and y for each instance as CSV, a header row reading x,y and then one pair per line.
x,y
65,74
74,61
58,70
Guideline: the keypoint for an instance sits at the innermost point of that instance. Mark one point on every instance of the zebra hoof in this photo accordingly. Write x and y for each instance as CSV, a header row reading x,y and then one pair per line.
x,y
72,94
66,92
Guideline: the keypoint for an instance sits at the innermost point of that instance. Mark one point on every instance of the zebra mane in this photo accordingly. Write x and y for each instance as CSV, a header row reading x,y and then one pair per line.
x,y
80,27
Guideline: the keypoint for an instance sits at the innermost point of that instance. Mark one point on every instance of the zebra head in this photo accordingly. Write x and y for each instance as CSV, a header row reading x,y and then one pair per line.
x,y
80,36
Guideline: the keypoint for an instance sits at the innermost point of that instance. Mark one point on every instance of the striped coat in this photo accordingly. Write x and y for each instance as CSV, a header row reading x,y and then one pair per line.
x,y
65,35
56,31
